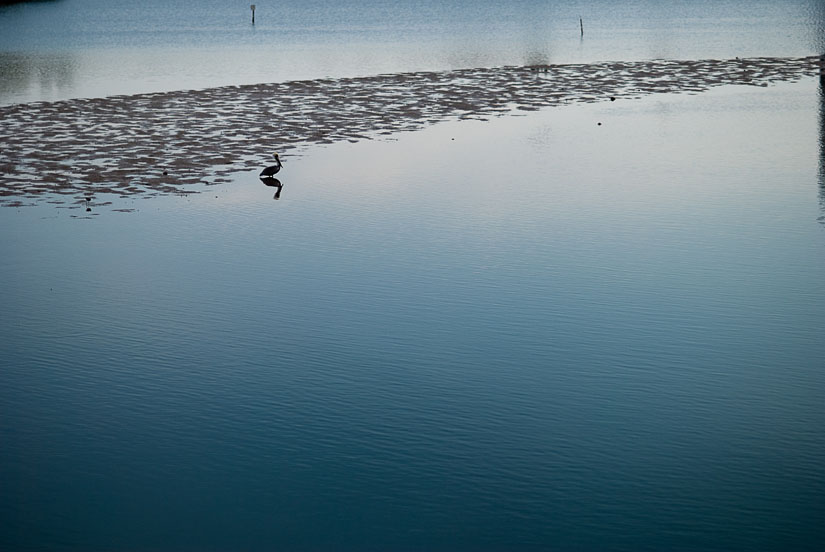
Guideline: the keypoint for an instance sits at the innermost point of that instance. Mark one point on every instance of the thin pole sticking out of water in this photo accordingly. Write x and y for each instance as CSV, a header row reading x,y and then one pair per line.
x,y
253,13
581,25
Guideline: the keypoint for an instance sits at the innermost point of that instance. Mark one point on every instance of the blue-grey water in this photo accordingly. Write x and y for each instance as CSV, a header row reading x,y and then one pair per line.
x,y
592,327
90,48
534,333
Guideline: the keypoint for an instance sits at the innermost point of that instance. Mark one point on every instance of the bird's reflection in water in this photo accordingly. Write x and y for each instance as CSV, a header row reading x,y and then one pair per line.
x,y
273,183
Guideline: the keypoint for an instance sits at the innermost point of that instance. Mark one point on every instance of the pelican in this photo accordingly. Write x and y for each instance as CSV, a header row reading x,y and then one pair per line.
x,y
270,171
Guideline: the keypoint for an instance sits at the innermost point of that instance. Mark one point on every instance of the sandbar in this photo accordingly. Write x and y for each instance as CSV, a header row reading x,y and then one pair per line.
x,y
161,143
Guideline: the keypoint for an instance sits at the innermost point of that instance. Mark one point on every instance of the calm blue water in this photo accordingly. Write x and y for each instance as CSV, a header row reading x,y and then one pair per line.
x,y
528,334
91,48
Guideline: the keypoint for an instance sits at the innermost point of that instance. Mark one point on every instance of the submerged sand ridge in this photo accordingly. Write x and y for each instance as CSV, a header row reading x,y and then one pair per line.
x,y
164,142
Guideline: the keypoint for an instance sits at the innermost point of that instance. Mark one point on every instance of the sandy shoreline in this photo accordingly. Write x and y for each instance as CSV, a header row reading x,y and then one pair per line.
x,y
124,144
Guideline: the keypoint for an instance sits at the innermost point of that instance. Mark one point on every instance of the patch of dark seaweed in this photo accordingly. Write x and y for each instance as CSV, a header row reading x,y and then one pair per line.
x,y
124,144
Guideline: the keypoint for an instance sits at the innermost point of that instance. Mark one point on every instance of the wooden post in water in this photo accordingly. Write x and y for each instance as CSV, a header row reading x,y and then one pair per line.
x,y
581,25
822,69
253,13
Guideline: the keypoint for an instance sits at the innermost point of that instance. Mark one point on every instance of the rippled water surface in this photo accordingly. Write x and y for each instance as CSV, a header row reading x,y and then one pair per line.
x,y
521,334
580,324
91,48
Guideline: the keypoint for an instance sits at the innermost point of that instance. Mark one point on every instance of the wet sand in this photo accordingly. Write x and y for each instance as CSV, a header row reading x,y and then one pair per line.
x,y
165,142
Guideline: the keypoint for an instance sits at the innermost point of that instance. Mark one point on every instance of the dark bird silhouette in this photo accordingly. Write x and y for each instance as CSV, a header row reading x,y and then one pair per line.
x,y
273,182
271,171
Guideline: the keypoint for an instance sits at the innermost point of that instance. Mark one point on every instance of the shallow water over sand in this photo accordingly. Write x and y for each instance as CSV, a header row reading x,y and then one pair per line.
x,y
161,143
531,330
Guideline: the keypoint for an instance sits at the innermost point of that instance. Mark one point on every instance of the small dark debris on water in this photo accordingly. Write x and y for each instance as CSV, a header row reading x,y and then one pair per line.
x,y
165,173
600,124
612,98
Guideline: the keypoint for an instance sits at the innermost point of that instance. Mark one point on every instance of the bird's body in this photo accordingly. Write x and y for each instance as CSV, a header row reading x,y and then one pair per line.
x,y
271,171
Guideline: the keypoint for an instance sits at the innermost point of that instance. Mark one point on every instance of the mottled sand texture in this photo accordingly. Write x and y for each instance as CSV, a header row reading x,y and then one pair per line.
x,y
159,143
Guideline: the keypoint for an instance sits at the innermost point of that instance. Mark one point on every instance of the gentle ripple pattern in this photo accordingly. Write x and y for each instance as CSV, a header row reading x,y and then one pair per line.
x,y
529,333
93,48
159,143
536,332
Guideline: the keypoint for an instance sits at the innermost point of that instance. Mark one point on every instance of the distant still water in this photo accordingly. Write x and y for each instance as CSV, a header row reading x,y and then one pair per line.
x,y
87,48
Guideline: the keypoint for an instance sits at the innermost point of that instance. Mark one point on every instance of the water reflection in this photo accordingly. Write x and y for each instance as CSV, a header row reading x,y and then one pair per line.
x,y
536,39
537,57
816,27
44,75
150,53
816,23
5,3
822,140
273,182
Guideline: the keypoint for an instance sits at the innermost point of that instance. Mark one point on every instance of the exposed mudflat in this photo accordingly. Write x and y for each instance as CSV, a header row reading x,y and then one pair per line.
x,y
164,142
